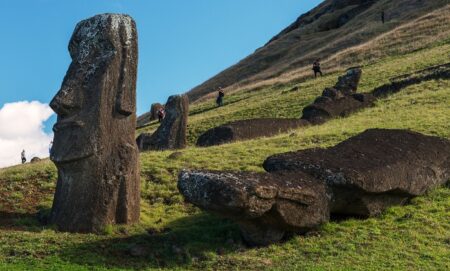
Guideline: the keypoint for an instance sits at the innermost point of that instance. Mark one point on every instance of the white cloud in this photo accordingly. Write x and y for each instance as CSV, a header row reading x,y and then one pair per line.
x,y
22,128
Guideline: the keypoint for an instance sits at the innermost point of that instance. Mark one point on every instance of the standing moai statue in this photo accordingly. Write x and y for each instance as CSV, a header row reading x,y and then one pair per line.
x,y
171,134
94,147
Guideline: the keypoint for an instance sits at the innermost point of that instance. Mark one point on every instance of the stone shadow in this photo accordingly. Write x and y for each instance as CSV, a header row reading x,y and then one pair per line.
x,y
186,242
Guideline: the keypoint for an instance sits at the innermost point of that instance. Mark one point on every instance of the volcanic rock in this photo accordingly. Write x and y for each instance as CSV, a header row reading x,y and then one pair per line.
x,y
247,129
171,134
35,160
325,109
266,206
373,170
94,146
348,83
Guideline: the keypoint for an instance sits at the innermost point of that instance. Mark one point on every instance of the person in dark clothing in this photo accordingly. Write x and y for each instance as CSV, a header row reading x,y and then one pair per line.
x,y
161,114
22,155
220,96
382,16
316,68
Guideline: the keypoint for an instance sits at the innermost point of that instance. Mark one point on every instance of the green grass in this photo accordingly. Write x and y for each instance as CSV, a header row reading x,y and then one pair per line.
x,y
178,236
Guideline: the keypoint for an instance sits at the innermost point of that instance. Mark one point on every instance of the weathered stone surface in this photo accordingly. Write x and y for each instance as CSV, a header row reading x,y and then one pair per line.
x,y
266,206
247,129
340,100
348,83
154,110
171,134
94,146
326,109
147,117
373,170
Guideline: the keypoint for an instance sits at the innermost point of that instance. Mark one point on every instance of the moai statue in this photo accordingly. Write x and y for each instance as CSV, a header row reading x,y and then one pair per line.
x,y
94,147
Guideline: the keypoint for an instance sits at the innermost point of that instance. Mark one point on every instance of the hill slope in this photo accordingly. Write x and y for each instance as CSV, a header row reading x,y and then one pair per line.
x,y
175,235
325,32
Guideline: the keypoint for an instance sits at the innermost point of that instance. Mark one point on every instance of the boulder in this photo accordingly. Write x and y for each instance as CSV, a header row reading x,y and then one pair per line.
x,y
348,83
154,110
94,146
35,160
325,109
247,129
171,134
266,206
373,170
340,100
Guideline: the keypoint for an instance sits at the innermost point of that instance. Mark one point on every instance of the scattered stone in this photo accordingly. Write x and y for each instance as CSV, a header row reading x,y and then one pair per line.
x,y
339,101
266,206
326,109
94,147
247,129
373,170
171,134
35,160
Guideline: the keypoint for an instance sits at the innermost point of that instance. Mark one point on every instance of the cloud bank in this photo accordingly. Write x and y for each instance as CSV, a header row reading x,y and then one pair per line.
x,y
22,128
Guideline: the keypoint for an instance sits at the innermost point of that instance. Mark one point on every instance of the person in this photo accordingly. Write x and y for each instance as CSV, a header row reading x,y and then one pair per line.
x,y
161,114
22,155
316,68
382,16
219,100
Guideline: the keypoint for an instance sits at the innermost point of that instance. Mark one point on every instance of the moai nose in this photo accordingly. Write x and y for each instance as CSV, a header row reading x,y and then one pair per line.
x,y
65,101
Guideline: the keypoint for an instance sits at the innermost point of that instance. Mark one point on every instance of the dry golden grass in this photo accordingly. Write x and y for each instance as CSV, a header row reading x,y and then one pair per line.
x,y
420,33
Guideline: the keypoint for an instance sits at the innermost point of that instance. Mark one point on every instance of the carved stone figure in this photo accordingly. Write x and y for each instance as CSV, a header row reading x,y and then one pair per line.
x,y
171,134
94,147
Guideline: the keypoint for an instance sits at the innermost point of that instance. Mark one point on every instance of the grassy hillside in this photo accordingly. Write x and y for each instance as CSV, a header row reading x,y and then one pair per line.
x,y
341,33
174,235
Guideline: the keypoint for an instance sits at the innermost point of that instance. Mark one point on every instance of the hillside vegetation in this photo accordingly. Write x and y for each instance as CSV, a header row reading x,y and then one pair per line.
x,y
177,236
341,33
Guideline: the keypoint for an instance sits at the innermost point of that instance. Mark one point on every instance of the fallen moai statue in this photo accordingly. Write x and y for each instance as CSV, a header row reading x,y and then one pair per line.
x,y
340,100
247,129
264,205
361,176
171,134
94,146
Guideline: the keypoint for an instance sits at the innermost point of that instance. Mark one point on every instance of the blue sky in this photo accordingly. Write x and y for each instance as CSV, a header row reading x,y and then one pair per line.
x,y
182,43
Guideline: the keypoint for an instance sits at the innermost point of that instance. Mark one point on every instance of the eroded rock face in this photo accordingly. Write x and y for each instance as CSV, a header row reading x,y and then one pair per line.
x,y
154,110
266,206
373,170
340,100
247,129
171,134
94,146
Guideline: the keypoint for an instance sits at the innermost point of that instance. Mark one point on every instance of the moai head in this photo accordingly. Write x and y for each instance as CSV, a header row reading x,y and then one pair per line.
x,y
99,87
94,147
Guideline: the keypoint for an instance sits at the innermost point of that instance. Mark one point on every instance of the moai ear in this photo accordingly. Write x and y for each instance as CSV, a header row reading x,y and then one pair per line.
x,y
126,94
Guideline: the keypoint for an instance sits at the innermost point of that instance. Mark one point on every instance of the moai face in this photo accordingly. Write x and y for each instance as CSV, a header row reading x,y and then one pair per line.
x,y
99,84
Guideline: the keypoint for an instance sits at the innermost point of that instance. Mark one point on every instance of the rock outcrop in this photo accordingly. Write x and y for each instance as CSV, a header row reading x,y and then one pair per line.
x,y
35,160
171,134
247,129
340,100
94,146
266,206
373,170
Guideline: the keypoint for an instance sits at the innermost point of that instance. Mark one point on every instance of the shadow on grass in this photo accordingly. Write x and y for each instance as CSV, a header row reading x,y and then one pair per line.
x,y
186,242
17,221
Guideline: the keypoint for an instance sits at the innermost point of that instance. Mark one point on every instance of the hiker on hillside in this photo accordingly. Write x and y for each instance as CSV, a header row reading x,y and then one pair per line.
x,y
161,114
220,96
22,155
382,16
316,68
